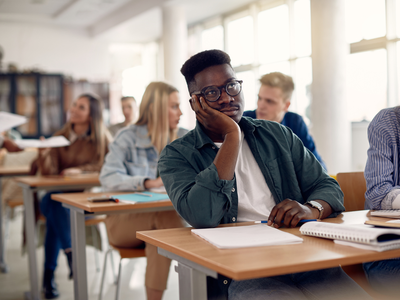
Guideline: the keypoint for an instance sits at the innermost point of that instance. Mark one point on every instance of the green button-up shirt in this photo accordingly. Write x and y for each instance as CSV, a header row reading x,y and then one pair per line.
x,y
290,170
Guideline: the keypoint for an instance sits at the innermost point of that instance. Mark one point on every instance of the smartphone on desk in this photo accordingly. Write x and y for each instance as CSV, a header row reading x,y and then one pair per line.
x,y
101,198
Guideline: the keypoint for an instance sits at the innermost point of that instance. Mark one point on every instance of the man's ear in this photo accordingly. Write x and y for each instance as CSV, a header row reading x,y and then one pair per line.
x,y
287,104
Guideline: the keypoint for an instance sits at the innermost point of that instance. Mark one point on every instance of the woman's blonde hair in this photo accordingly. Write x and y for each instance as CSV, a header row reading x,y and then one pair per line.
x,y
153,112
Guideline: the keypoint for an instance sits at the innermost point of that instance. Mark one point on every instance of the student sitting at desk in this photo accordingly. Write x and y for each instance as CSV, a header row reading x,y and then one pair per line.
x,y
131,165
129,110
382,175
232,168
273,104
89,143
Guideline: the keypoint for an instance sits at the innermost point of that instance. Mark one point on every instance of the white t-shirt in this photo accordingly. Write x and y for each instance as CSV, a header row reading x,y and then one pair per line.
x,y
254,196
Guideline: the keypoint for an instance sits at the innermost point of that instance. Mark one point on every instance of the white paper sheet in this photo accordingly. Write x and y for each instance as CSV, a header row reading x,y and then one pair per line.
x,y
9,120
246,236
53,142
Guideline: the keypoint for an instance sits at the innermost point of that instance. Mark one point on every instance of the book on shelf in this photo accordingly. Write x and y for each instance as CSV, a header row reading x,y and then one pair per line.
x,y
246,236
387,213
359,236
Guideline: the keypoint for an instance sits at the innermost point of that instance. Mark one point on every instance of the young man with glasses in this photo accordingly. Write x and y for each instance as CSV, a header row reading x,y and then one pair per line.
x,y
231,169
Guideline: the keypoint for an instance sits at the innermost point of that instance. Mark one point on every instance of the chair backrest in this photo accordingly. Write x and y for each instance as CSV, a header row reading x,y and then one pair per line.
x,y
354,187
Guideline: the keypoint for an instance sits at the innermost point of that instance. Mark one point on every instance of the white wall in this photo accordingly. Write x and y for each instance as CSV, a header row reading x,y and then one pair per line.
x,y
55,50
359,145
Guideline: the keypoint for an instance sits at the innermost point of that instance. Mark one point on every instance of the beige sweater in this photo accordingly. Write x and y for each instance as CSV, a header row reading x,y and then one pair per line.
x,y
80,154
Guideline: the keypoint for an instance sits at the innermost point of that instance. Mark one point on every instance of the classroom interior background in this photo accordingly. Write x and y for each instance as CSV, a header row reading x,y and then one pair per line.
x,y
343,56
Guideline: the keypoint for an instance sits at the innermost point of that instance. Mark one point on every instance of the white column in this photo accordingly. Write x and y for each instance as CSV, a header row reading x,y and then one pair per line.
x,y
175,54
330,126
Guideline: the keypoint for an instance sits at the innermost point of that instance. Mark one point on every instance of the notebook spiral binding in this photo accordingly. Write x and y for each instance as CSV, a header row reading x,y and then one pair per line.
x,y
334,236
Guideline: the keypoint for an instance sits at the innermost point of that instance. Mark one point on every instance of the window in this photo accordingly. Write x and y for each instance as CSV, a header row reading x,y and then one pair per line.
x,y
365,19
213,38
240,39
273,34
302,28
367,84
249,89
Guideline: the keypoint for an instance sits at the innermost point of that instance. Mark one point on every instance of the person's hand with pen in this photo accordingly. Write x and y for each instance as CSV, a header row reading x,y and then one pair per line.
x,y
289,213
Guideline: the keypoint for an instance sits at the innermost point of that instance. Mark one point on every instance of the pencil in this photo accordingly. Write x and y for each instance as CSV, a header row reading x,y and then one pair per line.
x,y
143,194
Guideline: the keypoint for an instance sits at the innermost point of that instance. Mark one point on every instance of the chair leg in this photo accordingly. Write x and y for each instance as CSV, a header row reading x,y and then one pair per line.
x,y
3,265
7,223
95,244
113,268
104,273
118,280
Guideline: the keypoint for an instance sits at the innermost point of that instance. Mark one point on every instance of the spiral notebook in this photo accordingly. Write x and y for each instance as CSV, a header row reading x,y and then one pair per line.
x,y
359,236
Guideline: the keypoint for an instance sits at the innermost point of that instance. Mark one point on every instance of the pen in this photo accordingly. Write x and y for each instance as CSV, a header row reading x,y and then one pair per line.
x,y
301,221
143,194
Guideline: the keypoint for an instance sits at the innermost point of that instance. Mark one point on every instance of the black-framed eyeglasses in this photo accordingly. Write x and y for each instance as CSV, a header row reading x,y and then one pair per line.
x,y
213,93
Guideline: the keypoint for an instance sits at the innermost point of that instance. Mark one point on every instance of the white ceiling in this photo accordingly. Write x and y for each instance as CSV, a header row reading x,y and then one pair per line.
x,y
117,20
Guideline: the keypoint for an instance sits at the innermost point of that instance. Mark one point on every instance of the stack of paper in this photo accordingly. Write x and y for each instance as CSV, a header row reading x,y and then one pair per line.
x,y
9,120
246,236
53,142
388,213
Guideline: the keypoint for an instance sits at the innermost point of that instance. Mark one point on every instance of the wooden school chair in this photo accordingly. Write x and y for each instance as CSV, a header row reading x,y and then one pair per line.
x,y
354,187
124,253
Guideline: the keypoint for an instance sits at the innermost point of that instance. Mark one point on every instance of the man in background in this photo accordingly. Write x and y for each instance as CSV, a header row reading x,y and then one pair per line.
x,y
273,104
129,109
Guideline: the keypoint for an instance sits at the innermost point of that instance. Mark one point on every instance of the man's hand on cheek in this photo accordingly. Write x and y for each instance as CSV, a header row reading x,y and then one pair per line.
x,y
289,213
213,120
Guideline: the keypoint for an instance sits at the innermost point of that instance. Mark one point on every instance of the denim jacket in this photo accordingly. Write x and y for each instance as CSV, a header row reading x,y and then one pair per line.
x,y
131,159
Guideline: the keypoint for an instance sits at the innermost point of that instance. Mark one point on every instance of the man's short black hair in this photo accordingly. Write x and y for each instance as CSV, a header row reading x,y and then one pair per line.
x,y
201,61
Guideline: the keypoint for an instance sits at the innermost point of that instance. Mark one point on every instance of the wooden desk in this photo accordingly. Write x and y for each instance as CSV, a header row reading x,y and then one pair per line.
x,y
79,207
29,185
7,172
198,259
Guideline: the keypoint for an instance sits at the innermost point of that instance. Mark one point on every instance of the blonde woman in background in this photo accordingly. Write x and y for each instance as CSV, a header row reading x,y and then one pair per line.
x,y
89,140
131,165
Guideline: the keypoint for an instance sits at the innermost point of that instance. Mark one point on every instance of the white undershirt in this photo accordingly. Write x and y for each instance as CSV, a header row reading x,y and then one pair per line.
x,y
254,196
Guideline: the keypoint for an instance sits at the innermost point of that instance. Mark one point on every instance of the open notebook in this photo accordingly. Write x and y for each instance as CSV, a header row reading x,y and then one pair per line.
x,y
140,197
246,236
359,236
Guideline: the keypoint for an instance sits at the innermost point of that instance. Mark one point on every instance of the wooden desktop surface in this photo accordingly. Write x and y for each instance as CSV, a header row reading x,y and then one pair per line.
x,y
14,170
80,200
247,263
59,180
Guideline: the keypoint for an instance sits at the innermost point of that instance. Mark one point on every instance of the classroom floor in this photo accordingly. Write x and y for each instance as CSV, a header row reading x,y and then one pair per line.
x,y
15,283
